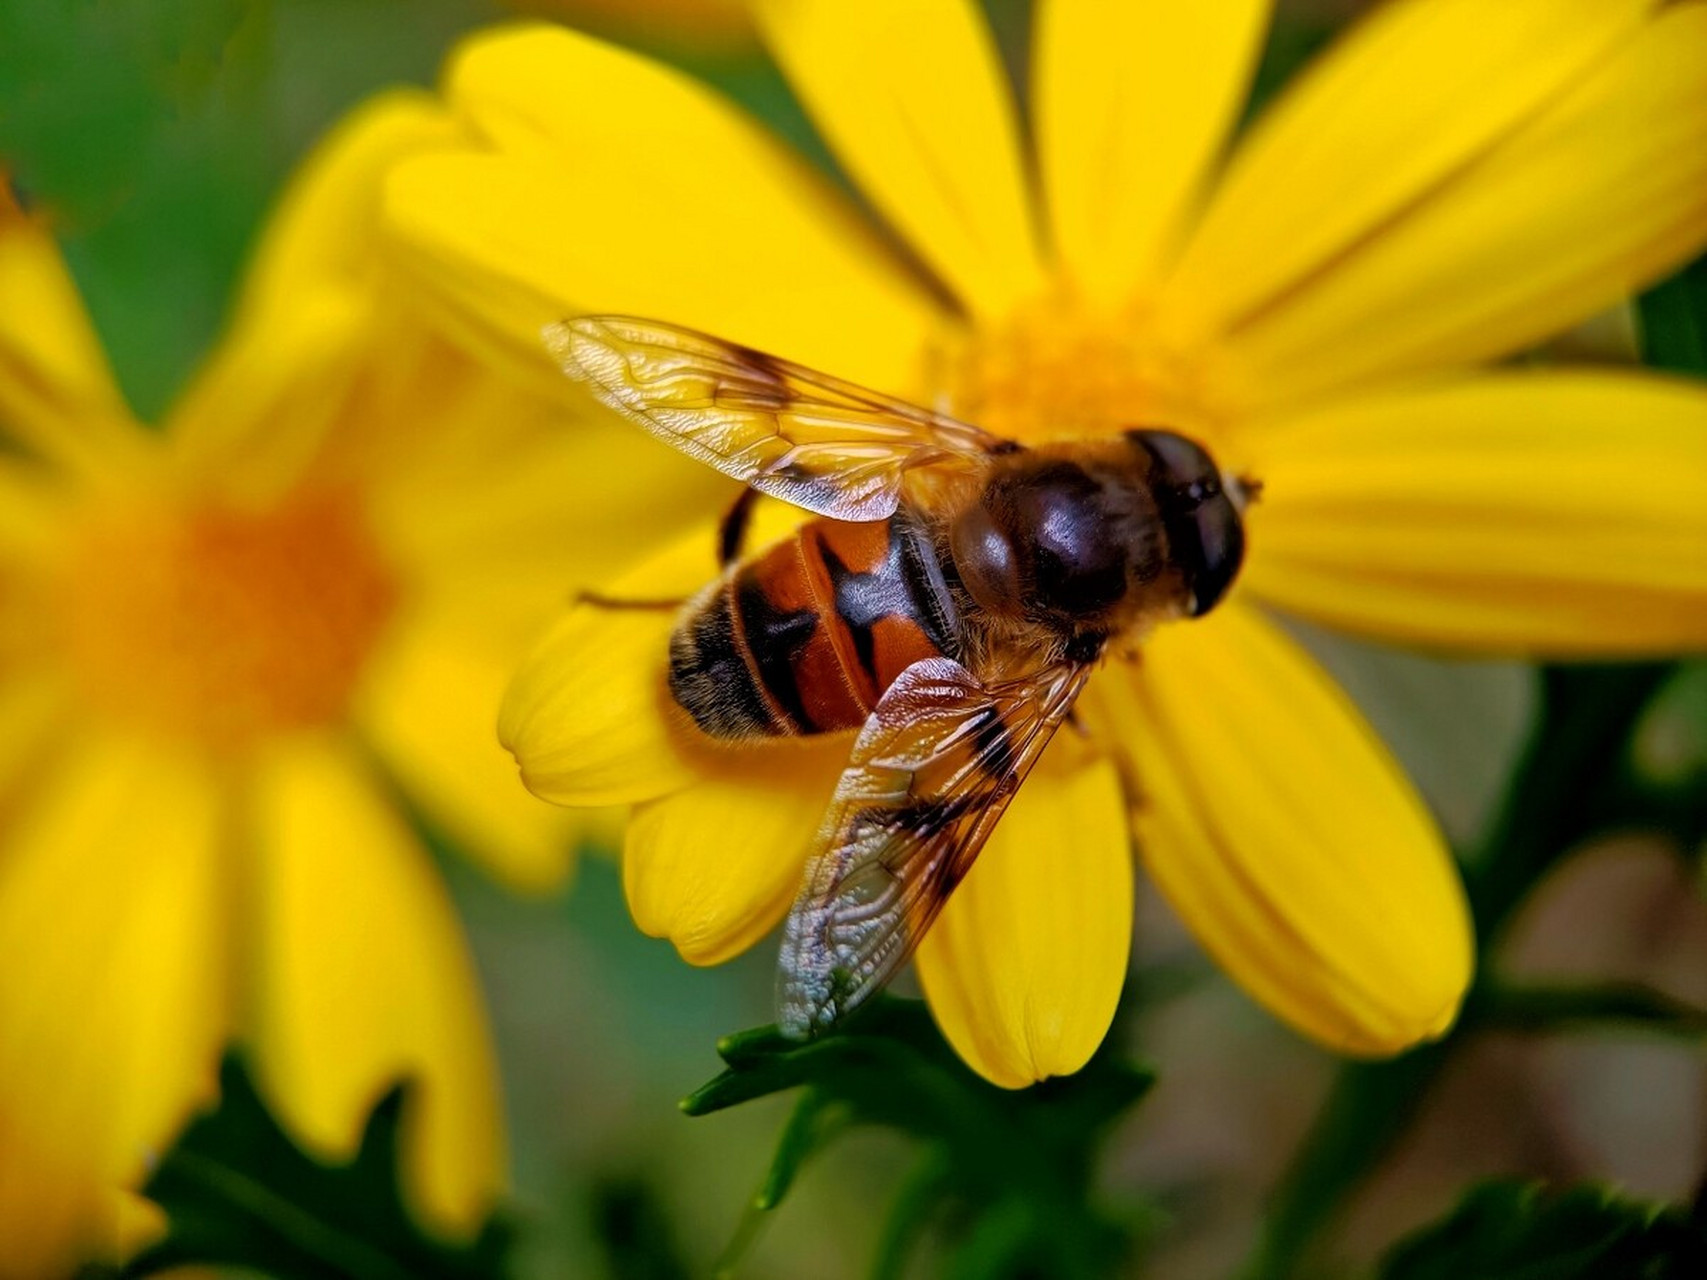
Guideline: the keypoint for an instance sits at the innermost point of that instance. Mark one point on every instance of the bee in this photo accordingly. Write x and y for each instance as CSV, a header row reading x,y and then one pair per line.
x,y
949,602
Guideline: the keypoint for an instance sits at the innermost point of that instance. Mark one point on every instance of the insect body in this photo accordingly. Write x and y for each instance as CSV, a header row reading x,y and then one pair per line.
x,y
806,637
949,602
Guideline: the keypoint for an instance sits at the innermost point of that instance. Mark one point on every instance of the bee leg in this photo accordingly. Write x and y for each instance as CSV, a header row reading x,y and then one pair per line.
x,y
598,601
732,531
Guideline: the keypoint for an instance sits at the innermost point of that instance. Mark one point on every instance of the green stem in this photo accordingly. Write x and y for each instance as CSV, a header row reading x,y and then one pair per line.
x,y
1548,1007
1556,796
1586,720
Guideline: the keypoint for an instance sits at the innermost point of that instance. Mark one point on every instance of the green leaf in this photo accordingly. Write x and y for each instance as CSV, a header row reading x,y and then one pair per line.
x,y
816,1120
1523,1231
237,1192
1674,321
1015,1166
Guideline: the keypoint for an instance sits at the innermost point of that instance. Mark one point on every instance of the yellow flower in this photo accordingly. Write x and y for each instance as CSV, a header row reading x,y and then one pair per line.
x,y
1453,182
236,656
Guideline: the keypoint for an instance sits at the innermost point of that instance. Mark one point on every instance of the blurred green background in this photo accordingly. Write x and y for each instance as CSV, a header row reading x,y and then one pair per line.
x,y
157,133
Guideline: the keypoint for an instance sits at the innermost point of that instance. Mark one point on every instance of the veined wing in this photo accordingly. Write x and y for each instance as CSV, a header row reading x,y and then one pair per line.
x,y
932,771
829,446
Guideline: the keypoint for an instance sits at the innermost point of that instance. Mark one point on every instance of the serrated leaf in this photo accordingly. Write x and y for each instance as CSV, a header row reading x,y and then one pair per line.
x,y
994,1152
1524,1231
816,1120
237,1192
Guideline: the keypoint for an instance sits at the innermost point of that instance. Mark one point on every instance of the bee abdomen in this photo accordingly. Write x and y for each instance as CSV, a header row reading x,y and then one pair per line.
x,y
711,677
806,638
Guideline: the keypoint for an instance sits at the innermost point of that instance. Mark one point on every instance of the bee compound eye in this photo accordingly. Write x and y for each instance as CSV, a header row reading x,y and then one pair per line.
x,y
1209,546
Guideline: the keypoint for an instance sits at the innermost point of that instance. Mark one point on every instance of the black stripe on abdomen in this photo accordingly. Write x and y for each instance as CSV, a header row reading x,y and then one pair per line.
x,y
776,638
710,677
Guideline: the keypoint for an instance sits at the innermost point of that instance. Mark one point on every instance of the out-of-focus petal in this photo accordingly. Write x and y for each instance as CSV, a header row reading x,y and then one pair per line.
x,y
1403,103
714,867
113,1012
913,97
362,979
621,185
32,511
325,230
429,704
32,708
1025,965
546,501
1587,202
1286,836
309,328
1133,103
263,405
1543,514
57,395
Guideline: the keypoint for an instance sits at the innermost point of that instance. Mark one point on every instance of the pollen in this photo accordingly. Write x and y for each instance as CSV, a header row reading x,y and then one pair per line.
x,y
202,620
1056,369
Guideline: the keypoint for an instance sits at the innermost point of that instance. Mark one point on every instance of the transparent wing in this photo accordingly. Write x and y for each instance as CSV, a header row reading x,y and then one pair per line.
x,y
932,771
805,437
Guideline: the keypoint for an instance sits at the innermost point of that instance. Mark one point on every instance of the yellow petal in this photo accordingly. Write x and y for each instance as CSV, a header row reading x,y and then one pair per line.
x,y
1594,198
913,97
546,502
714,867
1405,101
32,511
1133,103
263,405
325,230
1285,835
589,716
1024,967
309,327
32,708
57,395
428,705
621,185
364,979
113,901
1539,514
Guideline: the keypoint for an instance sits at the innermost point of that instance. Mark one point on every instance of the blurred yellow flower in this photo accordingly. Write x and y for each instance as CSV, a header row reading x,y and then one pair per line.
x,y
236,656
1451,183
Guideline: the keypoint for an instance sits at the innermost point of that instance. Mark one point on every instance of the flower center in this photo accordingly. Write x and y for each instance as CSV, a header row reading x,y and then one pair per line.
x,y
1057,370
203,620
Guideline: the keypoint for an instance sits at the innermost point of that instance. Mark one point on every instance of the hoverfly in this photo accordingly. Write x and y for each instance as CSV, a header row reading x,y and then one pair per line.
x,y
949,602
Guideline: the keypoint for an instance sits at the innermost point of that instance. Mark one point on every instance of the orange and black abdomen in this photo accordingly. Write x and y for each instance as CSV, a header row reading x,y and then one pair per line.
x,y
806,637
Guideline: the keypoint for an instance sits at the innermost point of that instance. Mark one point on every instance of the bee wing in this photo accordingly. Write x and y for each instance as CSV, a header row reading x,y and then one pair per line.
x,y
820,443
932,771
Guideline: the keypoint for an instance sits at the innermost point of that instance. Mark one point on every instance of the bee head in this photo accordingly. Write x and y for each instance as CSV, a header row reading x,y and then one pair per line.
x,y
1199,513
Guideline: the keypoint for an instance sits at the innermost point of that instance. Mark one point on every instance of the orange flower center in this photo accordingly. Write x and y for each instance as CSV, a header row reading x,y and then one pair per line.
x,y
1057,370
203,620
